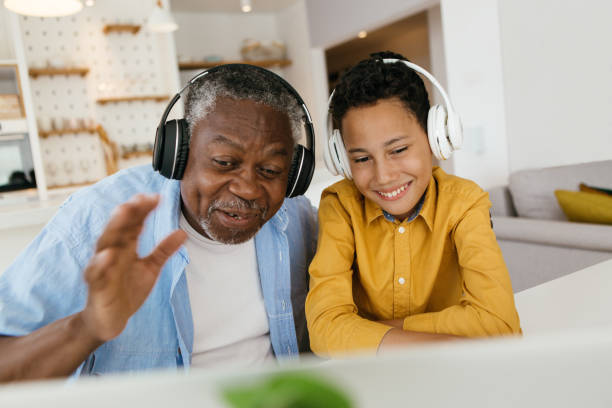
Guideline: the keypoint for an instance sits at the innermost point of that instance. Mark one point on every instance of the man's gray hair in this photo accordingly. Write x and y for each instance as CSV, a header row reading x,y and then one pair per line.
x,y
242,82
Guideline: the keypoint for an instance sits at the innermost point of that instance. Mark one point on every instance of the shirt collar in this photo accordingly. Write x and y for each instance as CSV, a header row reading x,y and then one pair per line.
x,y
280,220
429,204
425,207
168,212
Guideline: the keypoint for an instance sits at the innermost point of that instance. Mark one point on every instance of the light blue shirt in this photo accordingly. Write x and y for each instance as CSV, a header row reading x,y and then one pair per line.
x,y
45,283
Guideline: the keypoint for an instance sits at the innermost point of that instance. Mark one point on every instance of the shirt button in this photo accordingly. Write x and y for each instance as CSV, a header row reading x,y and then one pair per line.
x,y
401,281
401,230
284,305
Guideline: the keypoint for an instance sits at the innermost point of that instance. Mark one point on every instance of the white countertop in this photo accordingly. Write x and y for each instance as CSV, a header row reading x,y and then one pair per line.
x,y
578,301
24,208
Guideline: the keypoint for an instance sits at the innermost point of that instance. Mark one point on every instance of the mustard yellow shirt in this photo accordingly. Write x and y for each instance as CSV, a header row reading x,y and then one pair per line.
x,y
442,272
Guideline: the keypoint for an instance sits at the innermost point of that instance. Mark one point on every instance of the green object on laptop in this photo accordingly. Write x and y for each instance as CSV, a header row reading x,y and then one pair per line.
x,y
287,390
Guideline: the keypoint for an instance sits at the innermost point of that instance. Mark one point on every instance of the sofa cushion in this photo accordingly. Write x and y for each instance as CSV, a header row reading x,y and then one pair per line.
x,y
592,237
533,190
583,206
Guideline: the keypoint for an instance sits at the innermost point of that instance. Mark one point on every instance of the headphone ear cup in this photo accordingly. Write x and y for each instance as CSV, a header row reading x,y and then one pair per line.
x,y
300,172
437,133
183,149
158,148
328,158
431,133
294,169
455,130
338,155
344,160
174,148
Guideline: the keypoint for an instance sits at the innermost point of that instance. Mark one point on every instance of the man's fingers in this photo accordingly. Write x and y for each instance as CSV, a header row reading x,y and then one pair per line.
x,y
99,263
158,257
126,221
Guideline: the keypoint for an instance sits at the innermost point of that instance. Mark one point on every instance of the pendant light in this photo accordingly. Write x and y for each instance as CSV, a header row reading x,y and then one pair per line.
x,y
246,6
44,8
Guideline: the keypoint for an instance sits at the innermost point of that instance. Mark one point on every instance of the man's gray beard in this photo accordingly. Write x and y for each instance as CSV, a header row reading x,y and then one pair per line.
x,y
238,204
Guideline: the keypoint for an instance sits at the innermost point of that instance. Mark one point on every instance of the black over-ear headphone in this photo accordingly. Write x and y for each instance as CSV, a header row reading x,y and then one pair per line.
x,y
171,147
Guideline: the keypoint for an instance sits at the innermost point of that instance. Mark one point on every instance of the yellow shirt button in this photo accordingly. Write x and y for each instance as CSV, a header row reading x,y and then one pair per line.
x,y
401,230
401,281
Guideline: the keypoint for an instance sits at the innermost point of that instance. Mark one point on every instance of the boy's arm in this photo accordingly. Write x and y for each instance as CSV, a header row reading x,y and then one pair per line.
x,y
333,323
487,305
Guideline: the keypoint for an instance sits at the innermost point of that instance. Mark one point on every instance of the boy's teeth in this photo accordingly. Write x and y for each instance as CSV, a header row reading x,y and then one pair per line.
x,y
393,193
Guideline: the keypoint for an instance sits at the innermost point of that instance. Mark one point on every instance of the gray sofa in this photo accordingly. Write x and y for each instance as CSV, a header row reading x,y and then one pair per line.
x,y
537,241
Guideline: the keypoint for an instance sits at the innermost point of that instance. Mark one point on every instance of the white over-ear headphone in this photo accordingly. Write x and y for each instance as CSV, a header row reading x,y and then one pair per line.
x,y
444,129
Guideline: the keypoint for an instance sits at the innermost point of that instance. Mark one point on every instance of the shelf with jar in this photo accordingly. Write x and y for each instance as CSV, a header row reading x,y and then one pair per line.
x,y
64,126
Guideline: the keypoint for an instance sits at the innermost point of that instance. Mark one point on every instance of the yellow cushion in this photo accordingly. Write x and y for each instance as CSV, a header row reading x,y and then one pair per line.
x,y
583,206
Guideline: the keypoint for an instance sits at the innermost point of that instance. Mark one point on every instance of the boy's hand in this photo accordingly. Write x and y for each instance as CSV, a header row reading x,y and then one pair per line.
x,y
119,280
397,323
397,337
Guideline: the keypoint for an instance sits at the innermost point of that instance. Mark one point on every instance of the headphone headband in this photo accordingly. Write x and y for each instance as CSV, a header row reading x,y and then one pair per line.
x,y
426,74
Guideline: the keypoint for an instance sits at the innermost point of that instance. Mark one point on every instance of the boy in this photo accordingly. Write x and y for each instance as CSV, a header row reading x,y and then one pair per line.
x,y
406,253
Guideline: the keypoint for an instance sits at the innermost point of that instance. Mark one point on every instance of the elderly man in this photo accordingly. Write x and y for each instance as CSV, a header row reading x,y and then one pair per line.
x,y
208,270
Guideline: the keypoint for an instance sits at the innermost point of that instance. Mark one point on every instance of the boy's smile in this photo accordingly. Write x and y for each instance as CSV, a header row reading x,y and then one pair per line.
x,y
389,155
395,194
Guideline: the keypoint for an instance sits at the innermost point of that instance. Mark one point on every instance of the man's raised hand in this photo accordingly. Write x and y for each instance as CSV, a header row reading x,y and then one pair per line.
x,y
119,280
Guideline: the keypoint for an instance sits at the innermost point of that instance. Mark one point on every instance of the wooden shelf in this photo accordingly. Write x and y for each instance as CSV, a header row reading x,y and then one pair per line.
x,y
44,135
121,28
156,98
206,64
35,72
133,155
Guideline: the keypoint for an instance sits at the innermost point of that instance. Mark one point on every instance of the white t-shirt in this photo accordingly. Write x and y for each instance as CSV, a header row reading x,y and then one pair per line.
x,y
229,317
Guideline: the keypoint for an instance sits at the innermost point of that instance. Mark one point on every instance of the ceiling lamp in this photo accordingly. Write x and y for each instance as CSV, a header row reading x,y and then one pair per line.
x,y
160,20
44,8
245,6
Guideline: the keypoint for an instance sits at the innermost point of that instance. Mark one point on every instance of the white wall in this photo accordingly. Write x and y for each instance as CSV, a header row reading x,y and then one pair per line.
x,y
474,76
6,49
557,68
332,22
292,26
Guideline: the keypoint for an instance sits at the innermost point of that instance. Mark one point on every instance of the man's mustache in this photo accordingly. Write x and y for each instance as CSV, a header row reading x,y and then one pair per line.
x,y
238,204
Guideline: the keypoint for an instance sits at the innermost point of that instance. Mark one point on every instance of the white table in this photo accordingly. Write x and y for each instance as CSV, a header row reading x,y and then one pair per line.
x,y
580,300
547,371
543,369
